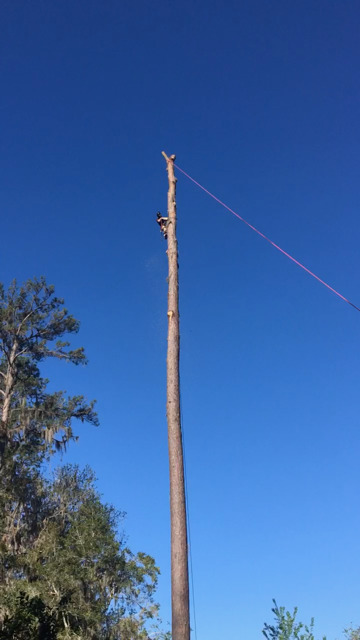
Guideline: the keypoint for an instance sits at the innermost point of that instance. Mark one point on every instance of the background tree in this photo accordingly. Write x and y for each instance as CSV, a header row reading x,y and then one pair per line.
x,y
77,576
33,423
33,322
65,572
352,634
286,627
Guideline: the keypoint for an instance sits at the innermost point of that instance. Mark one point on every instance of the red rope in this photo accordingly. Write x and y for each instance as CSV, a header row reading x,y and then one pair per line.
x,y
268,240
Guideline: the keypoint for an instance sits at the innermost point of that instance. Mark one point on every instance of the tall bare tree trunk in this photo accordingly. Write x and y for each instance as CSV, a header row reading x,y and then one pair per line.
x,y
179,547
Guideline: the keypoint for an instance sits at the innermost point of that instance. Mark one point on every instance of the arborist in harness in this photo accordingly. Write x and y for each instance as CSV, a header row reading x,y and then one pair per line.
x,y
162,222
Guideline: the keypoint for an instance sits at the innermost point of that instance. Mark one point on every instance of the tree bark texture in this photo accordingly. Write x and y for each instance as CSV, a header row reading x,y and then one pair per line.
x,y
7,394
179,545
9,384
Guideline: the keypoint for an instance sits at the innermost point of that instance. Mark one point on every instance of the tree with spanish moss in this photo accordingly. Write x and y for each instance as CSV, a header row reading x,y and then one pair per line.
x,y
33,323
65,568
77,578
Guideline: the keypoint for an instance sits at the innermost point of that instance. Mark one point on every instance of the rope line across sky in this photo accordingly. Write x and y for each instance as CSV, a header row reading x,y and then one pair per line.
x,y
285,253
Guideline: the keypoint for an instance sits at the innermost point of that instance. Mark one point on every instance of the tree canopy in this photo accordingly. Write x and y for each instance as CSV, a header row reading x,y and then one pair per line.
x,y
65,568
71,571
33,323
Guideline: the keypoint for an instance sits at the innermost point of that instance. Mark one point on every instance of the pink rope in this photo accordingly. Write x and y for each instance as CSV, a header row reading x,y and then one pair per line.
x,y
268,240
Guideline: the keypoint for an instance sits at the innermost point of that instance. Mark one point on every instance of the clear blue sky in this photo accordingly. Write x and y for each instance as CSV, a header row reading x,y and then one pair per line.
x,y
260,102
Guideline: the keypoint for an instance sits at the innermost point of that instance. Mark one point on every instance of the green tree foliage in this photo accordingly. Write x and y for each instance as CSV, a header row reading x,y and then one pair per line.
x,y
77,577
286,627
65,572
33,422
33,322
352,634
29,620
